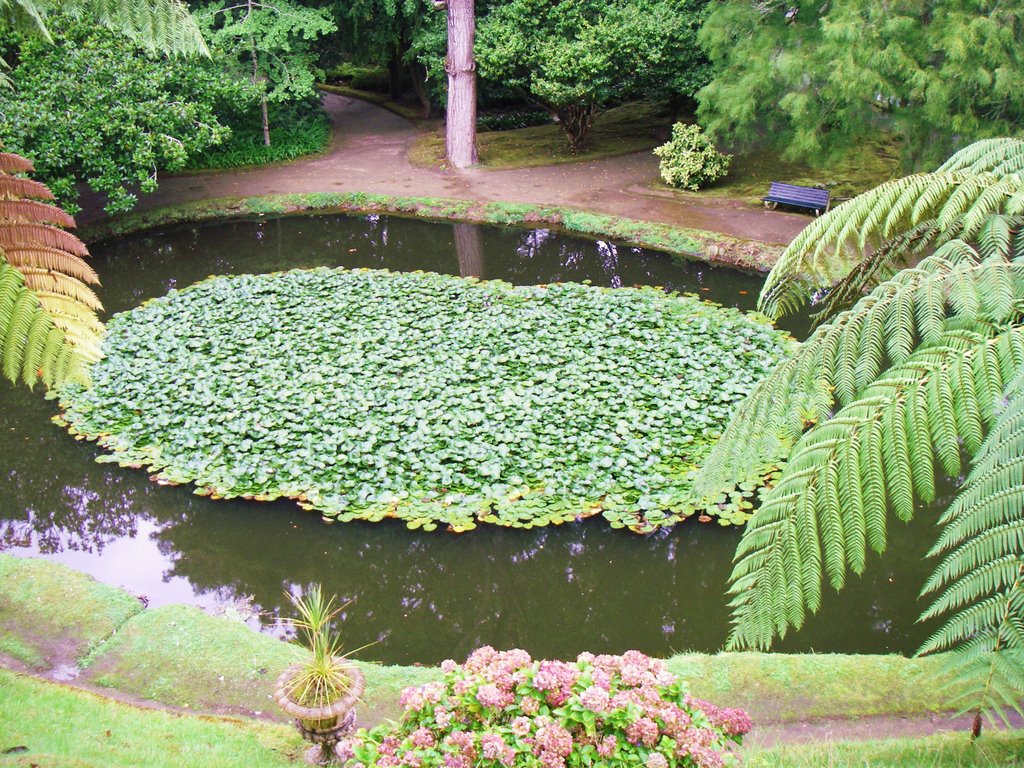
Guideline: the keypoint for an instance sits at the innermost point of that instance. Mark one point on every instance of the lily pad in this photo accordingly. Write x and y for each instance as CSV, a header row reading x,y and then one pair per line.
x,y
365,394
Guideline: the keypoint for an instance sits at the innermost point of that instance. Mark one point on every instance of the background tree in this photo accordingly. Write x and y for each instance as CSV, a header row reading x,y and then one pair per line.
x,y
93,108
384,33
816,78
927,367
270,41
577,58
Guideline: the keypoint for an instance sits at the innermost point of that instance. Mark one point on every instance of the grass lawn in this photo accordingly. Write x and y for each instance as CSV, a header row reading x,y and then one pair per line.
x,y
48,610
47,725
619,131
954,750
44,724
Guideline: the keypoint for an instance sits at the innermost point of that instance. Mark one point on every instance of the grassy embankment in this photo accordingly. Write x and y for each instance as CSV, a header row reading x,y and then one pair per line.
x,y
181,657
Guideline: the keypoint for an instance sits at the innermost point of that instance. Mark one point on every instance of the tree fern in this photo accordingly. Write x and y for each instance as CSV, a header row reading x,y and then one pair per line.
x,y
49,329
955,287
162,25
980,580
829,505
889,226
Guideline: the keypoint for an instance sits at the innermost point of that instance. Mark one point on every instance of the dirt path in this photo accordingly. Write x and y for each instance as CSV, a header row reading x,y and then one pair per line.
x,y
369,154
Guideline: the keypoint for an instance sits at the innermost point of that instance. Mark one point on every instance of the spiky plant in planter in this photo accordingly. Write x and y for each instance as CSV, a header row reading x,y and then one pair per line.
x,y
322,691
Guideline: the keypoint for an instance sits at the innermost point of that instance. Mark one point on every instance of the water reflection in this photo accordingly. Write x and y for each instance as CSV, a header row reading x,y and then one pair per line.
x,y
418,597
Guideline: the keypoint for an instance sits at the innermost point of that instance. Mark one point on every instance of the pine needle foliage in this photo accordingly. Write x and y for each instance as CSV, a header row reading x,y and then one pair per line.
x,y
49,329
865,240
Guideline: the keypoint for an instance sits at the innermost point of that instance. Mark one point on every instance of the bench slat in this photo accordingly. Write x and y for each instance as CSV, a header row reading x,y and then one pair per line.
x,y
795,195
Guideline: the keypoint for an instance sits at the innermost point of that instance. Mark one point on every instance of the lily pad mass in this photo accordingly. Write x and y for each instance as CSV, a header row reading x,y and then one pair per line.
x,y
439,400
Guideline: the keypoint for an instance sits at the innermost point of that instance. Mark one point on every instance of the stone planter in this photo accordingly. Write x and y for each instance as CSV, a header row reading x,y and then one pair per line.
x,y
323,726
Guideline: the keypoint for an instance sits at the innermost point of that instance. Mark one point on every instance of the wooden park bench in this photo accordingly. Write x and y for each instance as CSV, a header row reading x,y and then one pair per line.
x,y
813,199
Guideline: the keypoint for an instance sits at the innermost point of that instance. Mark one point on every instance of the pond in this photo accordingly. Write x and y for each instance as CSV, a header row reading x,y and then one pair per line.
x,y
416,597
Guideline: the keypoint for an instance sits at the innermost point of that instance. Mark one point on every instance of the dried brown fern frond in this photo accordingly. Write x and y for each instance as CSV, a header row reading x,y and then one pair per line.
x,y
32,211
49,329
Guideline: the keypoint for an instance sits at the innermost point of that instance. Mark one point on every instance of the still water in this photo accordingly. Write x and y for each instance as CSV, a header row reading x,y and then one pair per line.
x,y
417,597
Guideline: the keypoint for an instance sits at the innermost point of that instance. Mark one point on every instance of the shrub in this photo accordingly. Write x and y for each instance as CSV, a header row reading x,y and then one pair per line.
x,y
504,709
689,159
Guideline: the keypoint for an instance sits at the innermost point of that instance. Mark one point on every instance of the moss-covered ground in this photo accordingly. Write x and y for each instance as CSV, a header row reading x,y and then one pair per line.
x,y
618,131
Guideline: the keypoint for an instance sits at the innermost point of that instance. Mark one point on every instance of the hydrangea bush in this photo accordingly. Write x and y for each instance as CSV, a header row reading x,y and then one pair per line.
x,y
506,709
689,159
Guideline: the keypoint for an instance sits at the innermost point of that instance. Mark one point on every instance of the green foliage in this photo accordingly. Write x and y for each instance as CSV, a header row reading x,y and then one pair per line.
x,y
425,397
92,108
689,159
816,79
577,58
322,678
298,132
866,240
269,41
880,399
158,25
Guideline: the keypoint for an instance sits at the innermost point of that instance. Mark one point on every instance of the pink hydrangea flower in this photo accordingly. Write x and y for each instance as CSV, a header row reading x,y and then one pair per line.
x,y
529,705
656,760
595,699
492,696
520,726
607,746
554,738
644,731
423,738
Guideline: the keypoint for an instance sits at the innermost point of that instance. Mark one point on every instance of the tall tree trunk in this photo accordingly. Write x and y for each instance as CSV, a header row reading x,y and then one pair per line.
x,y
460,138
576,121
418,73
469,249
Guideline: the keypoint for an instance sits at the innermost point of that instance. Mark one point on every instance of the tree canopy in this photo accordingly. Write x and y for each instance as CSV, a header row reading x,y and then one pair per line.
x,y
577,58
815,78
91,107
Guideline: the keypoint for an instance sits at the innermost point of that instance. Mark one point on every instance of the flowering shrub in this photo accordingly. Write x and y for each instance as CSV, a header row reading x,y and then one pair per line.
x,y
689,160
505,709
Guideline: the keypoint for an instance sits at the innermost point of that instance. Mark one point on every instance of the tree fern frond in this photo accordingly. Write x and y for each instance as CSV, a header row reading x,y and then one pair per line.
x,y
900,409
840,359
34,212
17,188
1001,156
48,324
160,25
47,283
52,260
12,163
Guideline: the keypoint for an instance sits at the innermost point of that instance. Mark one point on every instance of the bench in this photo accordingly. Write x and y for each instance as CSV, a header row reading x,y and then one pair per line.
x,y
813,199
